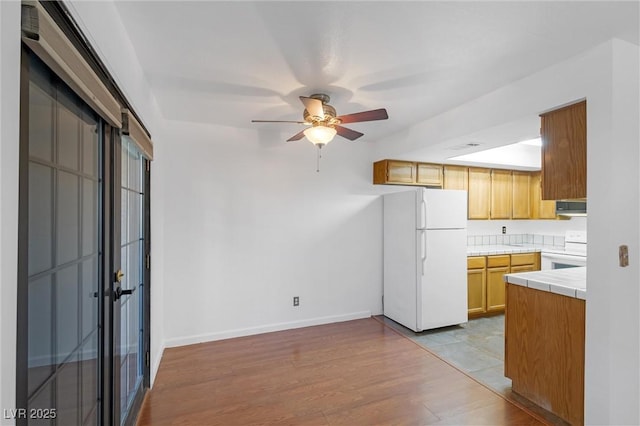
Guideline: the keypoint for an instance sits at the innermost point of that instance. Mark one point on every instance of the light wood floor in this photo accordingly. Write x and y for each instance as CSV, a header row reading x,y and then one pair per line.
x,y
352,373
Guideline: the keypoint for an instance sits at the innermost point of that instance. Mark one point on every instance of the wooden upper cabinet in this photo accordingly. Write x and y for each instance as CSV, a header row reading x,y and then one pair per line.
x,y
456,177
501,194
398,172
394,172
492,193
521,198
564,152
540,209
479,193
429,174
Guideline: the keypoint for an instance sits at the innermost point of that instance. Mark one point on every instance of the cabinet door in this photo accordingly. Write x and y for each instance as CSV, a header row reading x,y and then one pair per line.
x,y
476,291
540,209
456,177
479,193
521,198
495,288
429,174
393,171
501,191
401,172
564,152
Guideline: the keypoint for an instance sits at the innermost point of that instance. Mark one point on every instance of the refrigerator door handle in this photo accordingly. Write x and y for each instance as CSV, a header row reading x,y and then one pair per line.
x,y
423,249
423,214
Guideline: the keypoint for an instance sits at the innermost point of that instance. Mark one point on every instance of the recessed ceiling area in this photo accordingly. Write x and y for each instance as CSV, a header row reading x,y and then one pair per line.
x,y
524,155
225,63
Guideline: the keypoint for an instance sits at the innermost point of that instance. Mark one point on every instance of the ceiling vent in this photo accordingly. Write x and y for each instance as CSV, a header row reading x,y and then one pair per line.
x,y
464,146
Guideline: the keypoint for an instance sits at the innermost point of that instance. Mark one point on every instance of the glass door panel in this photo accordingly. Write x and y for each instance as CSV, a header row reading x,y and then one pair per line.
x,y
63,256
130,348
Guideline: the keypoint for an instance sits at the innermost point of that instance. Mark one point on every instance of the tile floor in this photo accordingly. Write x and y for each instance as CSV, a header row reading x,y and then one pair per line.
x,y
476,348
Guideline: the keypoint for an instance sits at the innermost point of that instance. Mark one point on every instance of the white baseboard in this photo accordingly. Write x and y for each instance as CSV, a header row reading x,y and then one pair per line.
x,y
240,332
156,364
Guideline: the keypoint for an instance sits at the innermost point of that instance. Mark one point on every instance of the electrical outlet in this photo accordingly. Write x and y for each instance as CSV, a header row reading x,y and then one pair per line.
x,y
296,301
504,229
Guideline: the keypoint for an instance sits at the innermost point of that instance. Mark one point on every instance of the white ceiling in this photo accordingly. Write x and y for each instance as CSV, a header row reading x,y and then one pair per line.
x,y
226,63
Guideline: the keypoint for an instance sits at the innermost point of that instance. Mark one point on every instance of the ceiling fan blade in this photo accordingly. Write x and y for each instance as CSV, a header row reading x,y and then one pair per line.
x,y
374,114
296,137
314,106
278,121
352,135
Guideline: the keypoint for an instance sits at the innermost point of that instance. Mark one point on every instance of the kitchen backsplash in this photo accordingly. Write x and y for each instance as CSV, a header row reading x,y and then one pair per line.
x,y
500,239
539,232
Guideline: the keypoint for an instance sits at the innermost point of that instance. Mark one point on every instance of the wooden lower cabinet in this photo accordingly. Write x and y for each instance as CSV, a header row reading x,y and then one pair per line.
x,y
476,285
544,350
485,280
497,266
525,262
495,288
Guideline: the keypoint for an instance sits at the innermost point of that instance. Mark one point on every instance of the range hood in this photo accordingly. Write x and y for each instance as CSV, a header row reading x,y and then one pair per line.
x,y
571,207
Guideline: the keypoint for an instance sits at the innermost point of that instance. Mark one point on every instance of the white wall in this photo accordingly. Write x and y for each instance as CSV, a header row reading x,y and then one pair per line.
x,y
9,143
252,224
607,77
613,181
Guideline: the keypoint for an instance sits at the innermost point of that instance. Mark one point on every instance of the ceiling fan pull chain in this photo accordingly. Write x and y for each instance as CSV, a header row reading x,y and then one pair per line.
x,y
319,156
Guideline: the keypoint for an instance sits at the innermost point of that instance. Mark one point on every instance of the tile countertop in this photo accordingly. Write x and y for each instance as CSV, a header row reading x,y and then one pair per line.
x,y
570,282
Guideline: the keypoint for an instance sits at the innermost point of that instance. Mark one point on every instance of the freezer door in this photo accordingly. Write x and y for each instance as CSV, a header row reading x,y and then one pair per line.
x,y
441,209
442,276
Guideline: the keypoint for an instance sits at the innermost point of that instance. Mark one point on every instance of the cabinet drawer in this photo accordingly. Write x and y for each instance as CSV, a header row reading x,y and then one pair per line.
x,y
476,262
523,259
496,261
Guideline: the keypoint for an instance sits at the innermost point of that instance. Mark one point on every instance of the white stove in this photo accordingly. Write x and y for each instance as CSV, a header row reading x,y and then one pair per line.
x,y
573,255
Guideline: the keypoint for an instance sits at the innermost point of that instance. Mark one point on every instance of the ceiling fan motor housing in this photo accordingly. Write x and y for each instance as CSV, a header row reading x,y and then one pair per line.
x,y
329,116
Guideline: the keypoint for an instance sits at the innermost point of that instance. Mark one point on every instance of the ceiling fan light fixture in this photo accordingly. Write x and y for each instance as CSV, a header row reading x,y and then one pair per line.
x,y
320,135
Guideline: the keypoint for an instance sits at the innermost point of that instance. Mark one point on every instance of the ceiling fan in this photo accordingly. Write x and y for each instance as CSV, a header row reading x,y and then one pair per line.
x,y
324,122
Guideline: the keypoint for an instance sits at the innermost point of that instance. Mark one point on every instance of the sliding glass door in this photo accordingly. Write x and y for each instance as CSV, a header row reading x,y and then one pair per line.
x,y
82,352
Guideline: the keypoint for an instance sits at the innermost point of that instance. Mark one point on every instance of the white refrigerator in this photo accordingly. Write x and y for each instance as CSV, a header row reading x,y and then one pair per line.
x,y
425,258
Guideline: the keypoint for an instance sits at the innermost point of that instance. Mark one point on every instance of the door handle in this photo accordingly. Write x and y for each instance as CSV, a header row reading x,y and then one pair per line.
x,y
119,292
423,248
